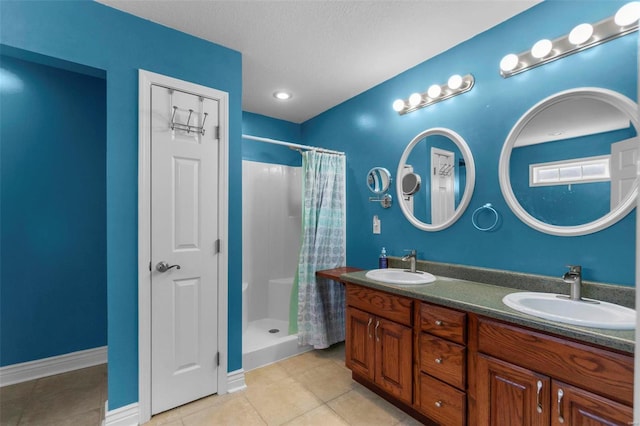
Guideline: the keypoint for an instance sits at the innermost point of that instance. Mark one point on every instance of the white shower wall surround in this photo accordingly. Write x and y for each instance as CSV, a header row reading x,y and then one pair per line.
x,y
271,215
271,199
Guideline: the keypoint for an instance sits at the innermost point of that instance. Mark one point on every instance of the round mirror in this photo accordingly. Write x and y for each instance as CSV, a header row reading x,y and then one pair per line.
x,y
568,166
440,177
378,180
410,183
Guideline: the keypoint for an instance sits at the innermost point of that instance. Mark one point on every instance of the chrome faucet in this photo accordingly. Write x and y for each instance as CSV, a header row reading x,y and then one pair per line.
x,y
411,257
574,277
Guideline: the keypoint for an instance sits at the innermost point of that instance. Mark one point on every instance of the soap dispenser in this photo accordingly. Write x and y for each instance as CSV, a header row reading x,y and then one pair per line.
x,y
382,260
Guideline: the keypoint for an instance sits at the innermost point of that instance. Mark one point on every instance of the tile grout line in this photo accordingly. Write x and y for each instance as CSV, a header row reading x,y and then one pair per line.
x,y
255,409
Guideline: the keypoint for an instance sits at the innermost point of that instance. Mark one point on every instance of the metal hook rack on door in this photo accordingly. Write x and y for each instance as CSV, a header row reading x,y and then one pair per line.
x,y
187,127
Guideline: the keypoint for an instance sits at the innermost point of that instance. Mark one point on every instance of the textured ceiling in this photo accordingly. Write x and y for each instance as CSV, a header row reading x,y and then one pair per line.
x,y
324,52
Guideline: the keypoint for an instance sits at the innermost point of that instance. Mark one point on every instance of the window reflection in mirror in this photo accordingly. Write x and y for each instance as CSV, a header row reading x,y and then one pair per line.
x,y
568,166
574,162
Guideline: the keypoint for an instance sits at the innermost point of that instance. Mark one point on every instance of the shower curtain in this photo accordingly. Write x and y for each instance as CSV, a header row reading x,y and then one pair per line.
x,y
320,307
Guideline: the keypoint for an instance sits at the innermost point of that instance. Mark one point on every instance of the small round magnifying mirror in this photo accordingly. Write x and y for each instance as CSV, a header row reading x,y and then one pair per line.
x,y
411,183
378,180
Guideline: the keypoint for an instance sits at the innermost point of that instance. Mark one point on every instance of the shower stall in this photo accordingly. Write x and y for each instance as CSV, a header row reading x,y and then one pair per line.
x,y
271,199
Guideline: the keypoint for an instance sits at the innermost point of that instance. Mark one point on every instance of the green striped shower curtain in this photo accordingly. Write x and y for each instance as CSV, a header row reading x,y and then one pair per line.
x,y
318,310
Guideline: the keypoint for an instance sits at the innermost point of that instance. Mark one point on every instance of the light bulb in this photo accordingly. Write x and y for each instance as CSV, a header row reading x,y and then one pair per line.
x,y
283,96
628,14
509,62
541,49
398,105
434,91
455,81
580,34
415,99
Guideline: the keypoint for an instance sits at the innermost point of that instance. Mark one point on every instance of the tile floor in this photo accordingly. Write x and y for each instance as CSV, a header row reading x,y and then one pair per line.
x,y
314,388
70,399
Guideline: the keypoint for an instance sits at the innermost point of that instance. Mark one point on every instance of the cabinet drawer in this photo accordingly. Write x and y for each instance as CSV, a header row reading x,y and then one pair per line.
x,y
606,373
385,305
443,322
441,402
443,359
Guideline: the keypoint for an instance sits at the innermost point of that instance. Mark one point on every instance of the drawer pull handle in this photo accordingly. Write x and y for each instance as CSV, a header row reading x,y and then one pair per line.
x,y
438,322
369,327
560,395
538,403
438,404
376,330
438,360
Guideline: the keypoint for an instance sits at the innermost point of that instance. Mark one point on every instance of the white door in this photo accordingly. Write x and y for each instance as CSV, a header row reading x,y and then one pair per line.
x,y
624,158
184,229
442,193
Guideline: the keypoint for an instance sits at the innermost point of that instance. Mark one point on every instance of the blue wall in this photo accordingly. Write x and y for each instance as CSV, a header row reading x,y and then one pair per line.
x,y
94,35
272,128
365,127
53,288
372,134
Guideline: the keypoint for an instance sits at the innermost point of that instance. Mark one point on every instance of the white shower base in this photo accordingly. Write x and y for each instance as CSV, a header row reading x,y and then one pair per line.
x,y
260,347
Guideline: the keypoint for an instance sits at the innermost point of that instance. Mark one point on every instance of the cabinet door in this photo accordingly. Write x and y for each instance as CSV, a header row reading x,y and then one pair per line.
x,y
394,354
359,349
577,407
508,395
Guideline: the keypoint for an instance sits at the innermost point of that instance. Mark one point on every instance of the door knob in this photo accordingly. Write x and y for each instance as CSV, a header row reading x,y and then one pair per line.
x,y
164,266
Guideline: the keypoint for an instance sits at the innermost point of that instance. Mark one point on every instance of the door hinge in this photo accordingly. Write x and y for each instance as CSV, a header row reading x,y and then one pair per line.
x,y
216,246
217,132
218,359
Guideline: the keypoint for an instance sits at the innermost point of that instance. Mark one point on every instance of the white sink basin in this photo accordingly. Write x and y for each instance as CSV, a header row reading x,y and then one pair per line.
x,y
549,306
400,276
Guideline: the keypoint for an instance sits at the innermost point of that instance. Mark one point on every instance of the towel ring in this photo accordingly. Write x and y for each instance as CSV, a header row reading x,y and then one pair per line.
x,y
474,217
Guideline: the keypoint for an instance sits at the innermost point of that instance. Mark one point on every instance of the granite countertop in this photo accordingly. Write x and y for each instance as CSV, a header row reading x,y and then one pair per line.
x,y
486,299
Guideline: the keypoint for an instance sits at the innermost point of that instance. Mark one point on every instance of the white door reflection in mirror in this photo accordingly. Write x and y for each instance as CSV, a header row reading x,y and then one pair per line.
x,y
442,178
442,160
624,160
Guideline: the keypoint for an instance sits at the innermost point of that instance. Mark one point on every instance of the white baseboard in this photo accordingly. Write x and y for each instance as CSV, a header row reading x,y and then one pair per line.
x,y
129,414
123,416
31,370
235,381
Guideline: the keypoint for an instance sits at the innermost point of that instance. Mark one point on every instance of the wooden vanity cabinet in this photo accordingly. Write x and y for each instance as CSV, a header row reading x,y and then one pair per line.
x,y
571,405
379,340
510,395
442,362
524,377
455,368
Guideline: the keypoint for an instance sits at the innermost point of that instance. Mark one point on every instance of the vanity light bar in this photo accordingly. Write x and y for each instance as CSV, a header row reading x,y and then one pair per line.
x,y
436,93
582,37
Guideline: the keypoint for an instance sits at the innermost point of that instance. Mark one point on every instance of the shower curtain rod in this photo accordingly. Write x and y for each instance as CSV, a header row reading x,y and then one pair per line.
x,y
291,144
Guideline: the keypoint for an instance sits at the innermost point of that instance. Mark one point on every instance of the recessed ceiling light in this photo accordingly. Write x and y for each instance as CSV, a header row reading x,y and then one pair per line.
x,y
283,96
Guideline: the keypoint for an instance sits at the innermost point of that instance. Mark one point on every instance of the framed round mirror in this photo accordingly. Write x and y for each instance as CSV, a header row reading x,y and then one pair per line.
x,y
440,171
378,180
411,183
568,166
